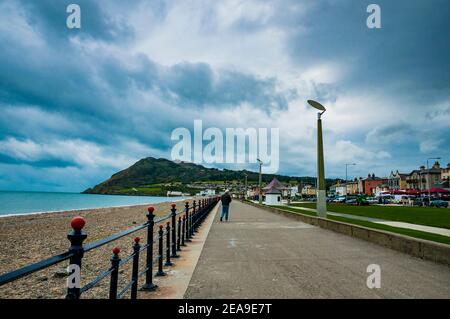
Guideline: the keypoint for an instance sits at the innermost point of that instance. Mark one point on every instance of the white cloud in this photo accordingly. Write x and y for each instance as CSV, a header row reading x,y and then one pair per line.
x,y
431,145
79,152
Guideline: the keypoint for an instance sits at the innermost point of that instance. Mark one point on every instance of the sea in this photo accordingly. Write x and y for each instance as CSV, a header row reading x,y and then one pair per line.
x,y
20,203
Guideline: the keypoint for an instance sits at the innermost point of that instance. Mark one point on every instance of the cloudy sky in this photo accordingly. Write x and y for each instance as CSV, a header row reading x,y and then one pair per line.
x,y
79,105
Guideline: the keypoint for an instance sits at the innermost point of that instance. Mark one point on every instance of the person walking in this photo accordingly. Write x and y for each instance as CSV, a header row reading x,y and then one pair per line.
x,y
226,200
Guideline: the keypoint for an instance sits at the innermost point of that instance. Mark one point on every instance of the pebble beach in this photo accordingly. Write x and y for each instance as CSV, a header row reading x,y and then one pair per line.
x,y
26,239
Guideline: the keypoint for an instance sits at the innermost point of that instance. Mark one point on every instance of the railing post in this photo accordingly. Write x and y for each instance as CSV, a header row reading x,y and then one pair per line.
x,y
168,262
76,237
179,234
191,222
174,231
115,261
183,231
149,285
160,251
135,272
185,237
191,216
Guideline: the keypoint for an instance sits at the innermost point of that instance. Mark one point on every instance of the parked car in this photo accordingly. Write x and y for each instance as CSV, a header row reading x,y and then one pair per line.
x,y
372,200
339,199
421,201
439,203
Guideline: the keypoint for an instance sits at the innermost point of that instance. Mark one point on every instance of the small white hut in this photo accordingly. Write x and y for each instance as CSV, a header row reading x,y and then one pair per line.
x,y
273,196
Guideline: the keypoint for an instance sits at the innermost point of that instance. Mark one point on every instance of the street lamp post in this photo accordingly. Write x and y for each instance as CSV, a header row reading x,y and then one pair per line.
x,y
260,181
429,177
321,190
346,169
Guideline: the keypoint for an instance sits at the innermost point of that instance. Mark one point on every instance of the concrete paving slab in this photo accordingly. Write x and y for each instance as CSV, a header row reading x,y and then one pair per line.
x,y
258,254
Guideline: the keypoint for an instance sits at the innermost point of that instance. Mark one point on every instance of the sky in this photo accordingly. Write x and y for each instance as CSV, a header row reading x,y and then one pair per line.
x,y
77,105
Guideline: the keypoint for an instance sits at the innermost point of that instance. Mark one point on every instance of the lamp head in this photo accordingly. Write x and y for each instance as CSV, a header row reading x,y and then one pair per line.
x,y
317,105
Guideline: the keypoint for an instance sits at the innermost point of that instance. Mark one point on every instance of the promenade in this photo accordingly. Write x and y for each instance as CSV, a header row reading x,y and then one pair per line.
x,y
259,254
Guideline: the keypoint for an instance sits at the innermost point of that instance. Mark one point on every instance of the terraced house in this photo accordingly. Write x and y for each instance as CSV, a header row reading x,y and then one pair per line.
x,y
397,181
425,178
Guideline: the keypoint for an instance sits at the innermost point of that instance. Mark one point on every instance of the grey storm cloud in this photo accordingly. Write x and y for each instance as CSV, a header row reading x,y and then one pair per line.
x,y
74,93
71,98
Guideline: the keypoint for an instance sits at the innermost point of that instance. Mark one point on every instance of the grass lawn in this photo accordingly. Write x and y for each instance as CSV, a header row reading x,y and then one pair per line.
x,y
437,217
398,230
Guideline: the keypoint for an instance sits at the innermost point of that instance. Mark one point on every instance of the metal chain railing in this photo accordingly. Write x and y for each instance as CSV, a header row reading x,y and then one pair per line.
x,y
177,233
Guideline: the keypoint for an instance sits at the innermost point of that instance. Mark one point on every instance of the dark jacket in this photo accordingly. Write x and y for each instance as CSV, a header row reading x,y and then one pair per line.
x,y
226,199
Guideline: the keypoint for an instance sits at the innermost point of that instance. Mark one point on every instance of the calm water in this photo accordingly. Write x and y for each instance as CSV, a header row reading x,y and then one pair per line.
x,y
33,202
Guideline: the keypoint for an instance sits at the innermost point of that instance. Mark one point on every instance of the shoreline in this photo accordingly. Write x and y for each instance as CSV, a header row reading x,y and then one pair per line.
x,y
87,208
32,237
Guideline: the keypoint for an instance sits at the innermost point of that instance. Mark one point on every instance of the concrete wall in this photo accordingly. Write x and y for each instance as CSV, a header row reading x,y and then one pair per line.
x,y
425,249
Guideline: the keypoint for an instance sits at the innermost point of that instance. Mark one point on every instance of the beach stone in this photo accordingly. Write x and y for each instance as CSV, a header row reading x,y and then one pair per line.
x,y
60,273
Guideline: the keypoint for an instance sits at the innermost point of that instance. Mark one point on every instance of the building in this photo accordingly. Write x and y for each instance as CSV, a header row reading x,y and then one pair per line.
x,y
273,196
397,181
174,193
425,178
308,190
371,183
445,177
207,192
276,184
412,180
381,188
338,189
293,191
361,185
352,187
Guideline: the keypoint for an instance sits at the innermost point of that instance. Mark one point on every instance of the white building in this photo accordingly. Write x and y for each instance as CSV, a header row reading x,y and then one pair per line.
x,y
294,191
273,197
174,193
207,192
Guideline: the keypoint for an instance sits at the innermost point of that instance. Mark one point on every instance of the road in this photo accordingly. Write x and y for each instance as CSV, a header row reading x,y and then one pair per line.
x,y
259,254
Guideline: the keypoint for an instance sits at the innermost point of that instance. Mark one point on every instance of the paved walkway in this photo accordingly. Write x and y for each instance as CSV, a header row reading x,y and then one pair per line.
x,y
428,229
259,254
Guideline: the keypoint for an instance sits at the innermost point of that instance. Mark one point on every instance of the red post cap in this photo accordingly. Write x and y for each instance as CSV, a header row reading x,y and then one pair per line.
x,y
168,223
173,205
150,209
137,240
77,223
161,227
116,250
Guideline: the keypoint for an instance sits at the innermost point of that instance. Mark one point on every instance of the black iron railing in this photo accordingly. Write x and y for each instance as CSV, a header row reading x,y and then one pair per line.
x,y
176,233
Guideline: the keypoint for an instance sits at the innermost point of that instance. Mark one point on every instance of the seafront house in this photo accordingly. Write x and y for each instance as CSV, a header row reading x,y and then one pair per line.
x,y
397,181
276,184
352,187
338,189
445,177
371,182
419,179
308,190
381,188
412,180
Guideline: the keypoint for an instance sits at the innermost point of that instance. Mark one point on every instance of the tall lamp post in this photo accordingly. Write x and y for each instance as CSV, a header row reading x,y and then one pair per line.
x,y
429,177
260,181
346,170
321,190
